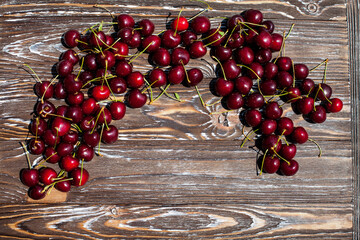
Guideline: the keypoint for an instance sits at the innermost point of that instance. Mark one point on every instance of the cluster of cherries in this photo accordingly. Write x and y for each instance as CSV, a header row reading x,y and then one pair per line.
x,y
91,80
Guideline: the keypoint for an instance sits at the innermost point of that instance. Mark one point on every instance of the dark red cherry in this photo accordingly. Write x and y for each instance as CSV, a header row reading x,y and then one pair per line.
x,y
84,152
188,38
161,57
268,126
200,25
125,20
110,134
50,138
270,70
299,135
231,69
71,137
44,90
197,49
234,100
235,22
323,91
271,164
104,116
293,95
75,114
253,16
136,99
253,117
47,175
71,56
117,110
106,59
89,106
180,56
97,39
285,126
215,37
305,105
157,77
335,105
256,72
318,115
72,84
223,53
29,177
51,155
61,110
79,176
45,109
276,43
176,75
36,192
284,63
307,86
64,68
71,38
75,99
146,26
269,26
180,24
69,163
64,149
170,39
36,146
38,126
243,84
151,43
289,170
273,110
91,138
101,92
263,39
272,143
90,62
284,79
59,91
63,185
223,87
268,87
244,55
135,80
120,50
255,100
60,126
263,56
195,77
288,151
87,123
301,71
118,85
123,68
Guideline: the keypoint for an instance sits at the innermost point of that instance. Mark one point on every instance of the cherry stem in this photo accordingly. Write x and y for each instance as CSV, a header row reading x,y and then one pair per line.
x,y
168,95
201,12
246,137
37,77
26,154
318,146
324,77
201,100
222,35
81,171
262,163
150,86
290,30
282,48
231,33
101,133
81,66
222,69
212,34
51,82
211,104
230,110
112,45
186,74
131,60
177,24
293,68
317,66
101,7
97,118
279,156
162,92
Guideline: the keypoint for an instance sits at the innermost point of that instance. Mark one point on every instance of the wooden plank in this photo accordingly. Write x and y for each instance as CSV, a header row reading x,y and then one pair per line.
x,y
249,221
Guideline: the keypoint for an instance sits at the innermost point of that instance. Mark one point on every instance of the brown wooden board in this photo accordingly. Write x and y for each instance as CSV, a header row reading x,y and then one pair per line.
x,y
177,171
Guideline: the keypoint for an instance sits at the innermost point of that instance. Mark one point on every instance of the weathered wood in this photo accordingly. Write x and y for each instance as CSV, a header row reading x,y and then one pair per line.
x,y
177,171
278,220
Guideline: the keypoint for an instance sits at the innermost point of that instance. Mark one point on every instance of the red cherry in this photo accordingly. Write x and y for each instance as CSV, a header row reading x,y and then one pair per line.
x,y
71,38
179,24
63,186
69,163
289,169
335,105
29,177
271,164
110,134
79,176
136,99
117,110
299,135
36,192
47,175
100,93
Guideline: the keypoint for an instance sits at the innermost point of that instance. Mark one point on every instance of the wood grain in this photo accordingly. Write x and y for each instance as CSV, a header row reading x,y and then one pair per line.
x,y
177,171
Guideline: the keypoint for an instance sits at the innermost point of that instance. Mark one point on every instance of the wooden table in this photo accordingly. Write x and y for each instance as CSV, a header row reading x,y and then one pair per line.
x,y
176,171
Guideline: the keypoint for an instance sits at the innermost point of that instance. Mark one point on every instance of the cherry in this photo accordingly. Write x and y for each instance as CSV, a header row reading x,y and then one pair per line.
x,y
161,57
90,62
318,115
284,79
269,26
36,146
91,138
231,69
110,134
170,39
289,169
257,70
69,163
323,91
234,100
75,99
243,84
235,40
101,92
223,87
268,126
60,126
271,164
79,176
273,110
253,16
151,43
71,137
299,135
268,87
285,126
335,105
125,20
120,50
301,71
87,123
63,185
288,151
106,59
71,38
118,85
197,49
59,91
176,75
307,86
146,26
234,22
180,56
47,175
64,68
109,40
50,138
263,56
276,43
64,149
71,56
117,110
51,155
104,116
75,114
270,70
123,68
89,106
61,110
244,55
72,84
250,37
200,25
284,63
84,152
44,90
180,24
135,40
222,53
188,38
157,77
44,109
254,100
29,177
36,192
135,80
271,143
293,95
253,117
305,105
215,37
263,39
136,99
97,39
38,126
195,77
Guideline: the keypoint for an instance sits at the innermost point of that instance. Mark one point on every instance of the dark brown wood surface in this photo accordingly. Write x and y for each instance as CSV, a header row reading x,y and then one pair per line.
x,y
178,172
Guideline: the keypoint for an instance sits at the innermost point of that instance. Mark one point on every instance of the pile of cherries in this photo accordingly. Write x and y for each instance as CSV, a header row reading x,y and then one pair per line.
x,y
97,83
